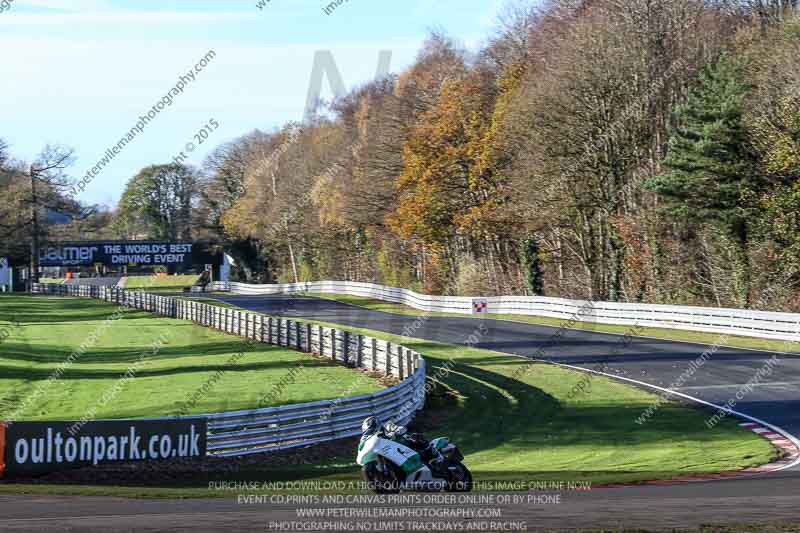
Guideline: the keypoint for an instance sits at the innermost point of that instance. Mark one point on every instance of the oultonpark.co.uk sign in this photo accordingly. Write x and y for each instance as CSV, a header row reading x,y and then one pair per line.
x,y
31,448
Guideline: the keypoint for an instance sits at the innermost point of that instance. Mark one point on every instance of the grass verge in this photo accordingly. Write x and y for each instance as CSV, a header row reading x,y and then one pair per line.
x,y
521,420
161,283
50,329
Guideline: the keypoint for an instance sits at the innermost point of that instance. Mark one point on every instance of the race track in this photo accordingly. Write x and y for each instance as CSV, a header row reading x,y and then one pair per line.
x,y
652,361
757,498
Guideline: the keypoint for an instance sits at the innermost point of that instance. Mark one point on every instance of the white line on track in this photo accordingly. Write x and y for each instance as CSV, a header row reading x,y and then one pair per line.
x,y
783,433
648,337
766,384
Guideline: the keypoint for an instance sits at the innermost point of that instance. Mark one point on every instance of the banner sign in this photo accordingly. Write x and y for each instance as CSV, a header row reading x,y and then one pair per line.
x,y
31,448
118,253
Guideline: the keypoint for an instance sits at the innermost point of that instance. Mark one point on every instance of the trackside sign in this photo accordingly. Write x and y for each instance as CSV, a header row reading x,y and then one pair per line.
x,y
480,306
31,448
115,253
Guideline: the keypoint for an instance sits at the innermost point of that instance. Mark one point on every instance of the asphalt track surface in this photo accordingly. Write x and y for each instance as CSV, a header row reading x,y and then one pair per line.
x,y
653,361
773,497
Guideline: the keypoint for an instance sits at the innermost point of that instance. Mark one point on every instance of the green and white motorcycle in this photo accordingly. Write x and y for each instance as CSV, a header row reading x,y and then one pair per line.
x,y
393,459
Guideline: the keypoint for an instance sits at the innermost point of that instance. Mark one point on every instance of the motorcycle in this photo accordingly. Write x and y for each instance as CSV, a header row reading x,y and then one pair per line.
x,y
392,459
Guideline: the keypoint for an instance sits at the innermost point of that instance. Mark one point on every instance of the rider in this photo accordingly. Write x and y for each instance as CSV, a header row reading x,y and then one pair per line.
x,y
400,434
204,280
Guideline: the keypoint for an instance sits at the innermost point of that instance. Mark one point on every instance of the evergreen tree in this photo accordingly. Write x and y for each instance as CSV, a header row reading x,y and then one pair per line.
x,y
534,275
711,167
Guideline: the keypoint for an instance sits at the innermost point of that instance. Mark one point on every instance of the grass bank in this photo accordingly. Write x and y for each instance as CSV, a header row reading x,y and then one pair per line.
x,y
161,283
50,329
521,420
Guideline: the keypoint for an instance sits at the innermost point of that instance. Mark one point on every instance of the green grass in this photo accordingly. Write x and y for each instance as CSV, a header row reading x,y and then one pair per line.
x,y
517,420
659,333
521,420
53,328
161,283
512,415
51,280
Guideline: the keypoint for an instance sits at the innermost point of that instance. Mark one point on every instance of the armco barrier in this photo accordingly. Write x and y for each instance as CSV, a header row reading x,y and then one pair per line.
x,y
762,324
274,428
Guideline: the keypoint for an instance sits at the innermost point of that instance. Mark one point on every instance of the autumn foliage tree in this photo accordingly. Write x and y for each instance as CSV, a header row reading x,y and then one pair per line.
x,y
542,163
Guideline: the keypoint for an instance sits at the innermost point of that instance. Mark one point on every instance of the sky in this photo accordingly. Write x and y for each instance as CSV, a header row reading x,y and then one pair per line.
x,y
81,73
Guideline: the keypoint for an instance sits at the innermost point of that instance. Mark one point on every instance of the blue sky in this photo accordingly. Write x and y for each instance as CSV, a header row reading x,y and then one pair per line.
x,y
81,72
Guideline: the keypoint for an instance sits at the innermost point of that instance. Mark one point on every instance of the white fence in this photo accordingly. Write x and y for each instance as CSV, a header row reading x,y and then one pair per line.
x,y
762,324
274,428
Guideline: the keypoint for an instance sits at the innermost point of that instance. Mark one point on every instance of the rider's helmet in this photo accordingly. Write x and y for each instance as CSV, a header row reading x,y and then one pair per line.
x,y
370,425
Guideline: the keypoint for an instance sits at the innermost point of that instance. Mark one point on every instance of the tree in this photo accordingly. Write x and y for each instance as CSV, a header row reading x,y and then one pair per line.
x,y
771,11
443,189
222,183
782,220
589,125
434,178
48,183
277,207
711,165
15,219
157,203
773,111
534,275
773,123
30,196
4,155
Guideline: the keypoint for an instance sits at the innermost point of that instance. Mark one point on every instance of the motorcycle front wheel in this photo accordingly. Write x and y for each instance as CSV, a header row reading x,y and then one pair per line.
x,y
380,482
460,478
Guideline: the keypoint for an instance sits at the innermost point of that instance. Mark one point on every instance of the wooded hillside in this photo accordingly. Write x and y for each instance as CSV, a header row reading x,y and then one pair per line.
x,y
625,150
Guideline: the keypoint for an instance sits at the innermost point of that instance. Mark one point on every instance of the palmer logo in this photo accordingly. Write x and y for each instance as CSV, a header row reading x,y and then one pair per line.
x,y
69,255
